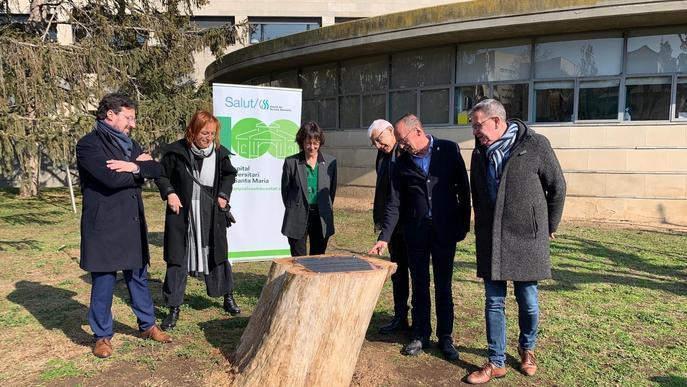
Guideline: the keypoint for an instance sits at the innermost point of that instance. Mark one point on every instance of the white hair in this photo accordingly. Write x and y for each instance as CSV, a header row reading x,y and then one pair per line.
x,y
490,107
378,125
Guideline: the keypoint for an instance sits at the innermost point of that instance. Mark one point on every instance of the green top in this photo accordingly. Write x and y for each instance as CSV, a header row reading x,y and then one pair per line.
x,y
312,183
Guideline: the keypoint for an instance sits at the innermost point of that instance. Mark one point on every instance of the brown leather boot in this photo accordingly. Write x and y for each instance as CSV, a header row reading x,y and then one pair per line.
x,y
486,373
154,333
528,366
102,348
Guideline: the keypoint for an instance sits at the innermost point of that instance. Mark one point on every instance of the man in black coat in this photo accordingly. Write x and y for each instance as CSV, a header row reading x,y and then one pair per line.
x,y
430,197
381,134
518,191
112,168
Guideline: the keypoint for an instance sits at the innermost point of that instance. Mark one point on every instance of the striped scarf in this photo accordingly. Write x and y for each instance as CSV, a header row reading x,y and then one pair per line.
x,y
499,151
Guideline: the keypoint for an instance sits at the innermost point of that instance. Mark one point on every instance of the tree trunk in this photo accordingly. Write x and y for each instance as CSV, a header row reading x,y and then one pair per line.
x,y
29,177
308,327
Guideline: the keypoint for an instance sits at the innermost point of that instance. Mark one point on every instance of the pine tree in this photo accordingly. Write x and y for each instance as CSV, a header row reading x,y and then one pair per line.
x,y
48,91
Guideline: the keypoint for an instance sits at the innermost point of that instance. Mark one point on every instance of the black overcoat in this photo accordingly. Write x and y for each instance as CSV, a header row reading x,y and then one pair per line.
x,y
445,190
114,235
294,188
176,177
512,234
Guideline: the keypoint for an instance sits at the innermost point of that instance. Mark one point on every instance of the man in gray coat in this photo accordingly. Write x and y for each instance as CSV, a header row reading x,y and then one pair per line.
x,y
518,191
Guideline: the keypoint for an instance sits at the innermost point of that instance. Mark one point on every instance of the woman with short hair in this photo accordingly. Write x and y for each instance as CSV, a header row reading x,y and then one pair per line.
x,y
308,188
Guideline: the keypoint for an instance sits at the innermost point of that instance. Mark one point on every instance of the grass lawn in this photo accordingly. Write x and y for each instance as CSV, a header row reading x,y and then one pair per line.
x,y
615,312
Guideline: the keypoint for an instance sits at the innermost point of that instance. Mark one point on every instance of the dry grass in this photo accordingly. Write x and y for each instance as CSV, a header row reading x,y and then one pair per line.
x,y
613,314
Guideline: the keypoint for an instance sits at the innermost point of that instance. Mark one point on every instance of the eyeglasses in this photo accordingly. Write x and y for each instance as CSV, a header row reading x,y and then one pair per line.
x,y
131,119
478,125
404,140
207,134
378,138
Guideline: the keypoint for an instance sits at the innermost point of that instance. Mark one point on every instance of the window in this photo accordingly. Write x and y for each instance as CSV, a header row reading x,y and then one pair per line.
x,y
573,58
486,66
287,79
515,99
362,89
262,29
598,100
402,102
647,99
657,54
561,79
319,94
434,106
494,62
420,74
205,22
374,107
8,18
349,112
259,81
466,97
681,99
338,20
554,101
421,68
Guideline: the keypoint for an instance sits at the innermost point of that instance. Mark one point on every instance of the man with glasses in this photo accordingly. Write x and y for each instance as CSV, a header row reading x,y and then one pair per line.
x,y
381,134
114,237
430,197
518,191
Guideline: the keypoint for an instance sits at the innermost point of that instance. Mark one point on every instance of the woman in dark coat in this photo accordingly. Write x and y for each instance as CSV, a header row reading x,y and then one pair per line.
x,y
308,188
196,181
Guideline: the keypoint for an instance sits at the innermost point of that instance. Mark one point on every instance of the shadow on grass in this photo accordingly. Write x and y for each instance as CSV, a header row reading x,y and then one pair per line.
x,y
382,318
224,334
156,238
42,218
248,284
671,380
626,267
55,308
200,302
24,244
35,206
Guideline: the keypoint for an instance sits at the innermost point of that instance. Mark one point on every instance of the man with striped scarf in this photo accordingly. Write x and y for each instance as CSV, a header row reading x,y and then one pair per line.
x,y
518,191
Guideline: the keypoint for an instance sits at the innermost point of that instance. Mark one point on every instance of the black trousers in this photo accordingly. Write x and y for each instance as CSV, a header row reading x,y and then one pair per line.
x,y
318,243
399,280
218,282
420,248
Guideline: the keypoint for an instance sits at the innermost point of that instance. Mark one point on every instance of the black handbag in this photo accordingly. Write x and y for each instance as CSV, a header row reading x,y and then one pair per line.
x,y
226,210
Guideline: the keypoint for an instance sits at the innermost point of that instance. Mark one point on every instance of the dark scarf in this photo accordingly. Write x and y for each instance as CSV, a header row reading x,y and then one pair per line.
x,y
119,138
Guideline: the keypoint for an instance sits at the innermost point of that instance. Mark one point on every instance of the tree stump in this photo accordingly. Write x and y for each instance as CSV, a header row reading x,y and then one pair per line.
x,y
309,325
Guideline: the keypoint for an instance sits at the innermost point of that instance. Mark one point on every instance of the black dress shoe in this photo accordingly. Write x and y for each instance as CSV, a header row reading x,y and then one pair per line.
x,y
448,349
171,320
396,324
230,305
415,346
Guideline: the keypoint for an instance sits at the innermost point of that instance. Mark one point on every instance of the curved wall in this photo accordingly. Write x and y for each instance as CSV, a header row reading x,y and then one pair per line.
x,y
628,166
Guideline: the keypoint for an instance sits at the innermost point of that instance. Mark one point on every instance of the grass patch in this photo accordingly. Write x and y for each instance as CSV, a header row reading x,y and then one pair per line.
x,y
613,314
58,368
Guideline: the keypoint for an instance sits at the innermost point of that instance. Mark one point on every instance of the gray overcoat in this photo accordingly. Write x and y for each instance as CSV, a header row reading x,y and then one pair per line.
x,y
294,188
512,234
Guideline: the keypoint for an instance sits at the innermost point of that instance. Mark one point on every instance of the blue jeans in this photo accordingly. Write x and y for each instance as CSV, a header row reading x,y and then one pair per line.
x,y
102,290
495,315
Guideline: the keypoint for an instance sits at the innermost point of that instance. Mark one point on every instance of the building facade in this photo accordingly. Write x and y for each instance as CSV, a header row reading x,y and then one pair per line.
x,y
605,81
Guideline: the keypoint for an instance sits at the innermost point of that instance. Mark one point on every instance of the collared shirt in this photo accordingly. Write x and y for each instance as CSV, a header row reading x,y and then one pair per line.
x,y
312,183
423,161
